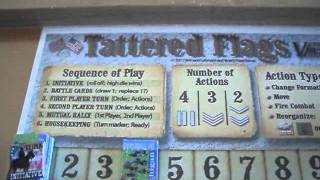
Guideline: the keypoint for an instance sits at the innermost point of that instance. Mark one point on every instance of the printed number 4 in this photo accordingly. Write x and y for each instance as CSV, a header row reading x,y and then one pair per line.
x,y
178,169
211,97
184,97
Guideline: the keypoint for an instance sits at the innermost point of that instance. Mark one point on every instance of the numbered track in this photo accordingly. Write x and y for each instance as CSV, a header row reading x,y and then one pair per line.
x,y
80,163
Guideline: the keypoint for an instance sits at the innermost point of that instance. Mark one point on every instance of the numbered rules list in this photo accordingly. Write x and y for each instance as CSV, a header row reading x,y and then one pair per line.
x,y
101,100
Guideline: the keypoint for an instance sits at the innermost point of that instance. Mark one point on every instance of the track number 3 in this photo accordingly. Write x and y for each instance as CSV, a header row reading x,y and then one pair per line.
x,y
106,161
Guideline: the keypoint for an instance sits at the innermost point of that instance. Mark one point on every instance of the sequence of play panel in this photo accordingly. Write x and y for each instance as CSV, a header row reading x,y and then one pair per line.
x,y
101,100
207,101
81,163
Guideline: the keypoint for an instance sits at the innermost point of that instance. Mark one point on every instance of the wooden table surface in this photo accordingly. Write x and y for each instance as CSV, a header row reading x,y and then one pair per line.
x,y
97,12
17,50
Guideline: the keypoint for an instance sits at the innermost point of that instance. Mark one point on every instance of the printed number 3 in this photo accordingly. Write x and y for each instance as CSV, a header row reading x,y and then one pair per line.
x,y
74,161
211,98
178,169
106,161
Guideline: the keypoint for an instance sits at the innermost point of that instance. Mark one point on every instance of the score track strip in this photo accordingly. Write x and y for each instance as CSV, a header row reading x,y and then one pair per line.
x,y
80,163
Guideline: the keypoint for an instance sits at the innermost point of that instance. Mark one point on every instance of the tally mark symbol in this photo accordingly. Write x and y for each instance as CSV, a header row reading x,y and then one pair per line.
x,y
212,120
239,121
240,110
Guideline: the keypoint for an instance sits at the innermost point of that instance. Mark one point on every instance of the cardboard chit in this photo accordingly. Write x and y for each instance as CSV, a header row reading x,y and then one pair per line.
x,y
101,100
289,100
212,101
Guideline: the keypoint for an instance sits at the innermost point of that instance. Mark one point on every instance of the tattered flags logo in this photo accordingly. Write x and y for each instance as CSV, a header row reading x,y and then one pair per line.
x,y
58,45
239,47
74,45
224,45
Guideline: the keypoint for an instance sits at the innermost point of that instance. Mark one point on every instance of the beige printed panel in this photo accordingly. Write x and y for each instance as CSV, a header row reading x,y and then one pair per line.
x,y
282,165
310,164
71,163
211,165
212,101
101,100
289,100
246,165
176,165
105,164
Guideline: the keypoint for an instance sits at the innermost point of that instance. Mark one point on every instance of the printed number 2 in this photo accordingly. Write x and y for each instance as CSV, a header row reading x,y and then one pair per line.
x,y
249,167
238,98
106,161
74,161
207,167
178,169
315,164
282,172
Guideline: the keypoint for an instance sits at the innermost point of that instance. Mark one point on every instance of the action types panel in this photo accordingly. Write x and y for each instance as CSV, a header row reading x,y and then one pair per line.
x,y
289,100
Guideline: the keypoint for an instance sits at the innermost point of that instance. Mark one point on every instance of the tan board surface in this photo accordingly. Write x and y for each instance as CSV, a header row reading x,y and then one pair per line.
x,y
247,165
101,100
282,165
176,165
310,164
71,163
289,100
211,165
105,164
212,101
